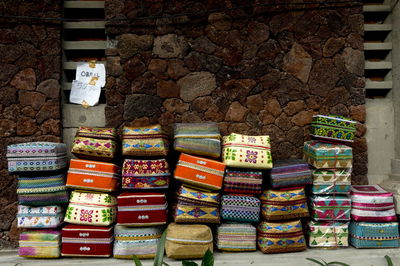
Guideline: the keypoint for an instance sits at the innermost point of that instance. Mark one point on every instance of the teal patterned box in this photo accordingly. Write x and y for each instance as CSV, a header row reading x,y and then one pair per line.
x,y
374,235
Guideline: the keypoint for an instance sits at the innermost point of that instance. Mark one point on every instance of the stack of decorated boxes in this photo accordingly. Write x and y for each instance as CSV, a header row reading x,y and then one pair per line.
x,y
41,195
245,157
93,177
283,206
142,207
330,203
373,217
196,200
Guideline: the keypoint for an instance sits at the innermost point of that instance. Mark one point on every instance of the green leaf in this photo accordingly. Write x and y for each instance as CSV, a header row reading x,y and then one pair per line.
x,y
158,260
189,263
388,260
208,259
316,261
337,263
136,260
164,263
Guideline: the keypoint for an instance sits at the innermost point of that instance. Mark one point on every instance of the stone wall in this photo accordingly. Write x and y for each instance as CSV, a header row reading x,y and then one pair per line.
x,y
30,57
263,70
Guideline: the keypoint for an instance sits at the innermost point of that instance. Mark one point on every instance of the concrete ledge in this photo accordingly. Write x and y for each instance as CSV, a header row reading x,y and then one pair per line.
x,y
352,256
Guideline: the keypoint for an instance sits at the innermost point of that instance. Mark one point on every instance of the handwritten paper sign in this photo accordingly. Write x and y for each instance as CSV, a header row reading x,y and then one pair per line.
x,y
91,73
83,93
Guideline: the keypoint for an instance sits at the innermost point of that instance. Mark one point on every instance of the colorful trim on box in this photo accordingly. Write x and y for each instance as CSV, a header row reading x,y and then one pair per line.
x,y
145,174
236,237
243,181
144,141
39,244
290,173
329,208
374,235
331,181
240,208
332,127
327,155
40,217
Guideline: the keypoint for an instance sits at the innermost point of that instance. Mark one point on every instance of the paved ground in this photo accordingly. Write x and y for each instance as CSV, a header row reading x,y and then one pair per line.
x,y
351,256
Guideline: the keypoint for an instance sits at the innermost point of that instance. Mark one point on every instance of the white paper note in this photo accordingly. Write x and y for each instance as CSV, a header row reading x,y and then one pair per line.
x,y
84,93
86,73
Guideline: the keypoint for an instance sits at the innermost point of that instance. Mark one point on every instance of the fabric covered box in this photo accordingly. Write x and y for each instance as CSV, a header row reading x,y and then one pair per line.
x,y
86,241
324,207
42,190
371,203
91,208
331,181
144,141
198,138
333,127
240,208
328,234
374,235
142,209
243,151
39,217
200,172
280,237
243,181
93,175
95,143
34,157
195,206
44,244
290,173
145,174
327,155
236,237
284,205
141,242
188,241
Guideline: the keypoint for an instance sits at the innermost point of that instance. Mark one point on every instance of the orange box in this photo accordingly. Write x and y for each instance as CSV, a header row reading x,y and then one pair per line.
x,y
200,172
93,175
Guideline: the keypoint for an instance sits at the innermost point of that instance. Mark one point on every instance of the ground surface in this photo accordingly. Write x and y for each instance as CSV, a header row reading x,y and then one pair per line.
x,y
351,256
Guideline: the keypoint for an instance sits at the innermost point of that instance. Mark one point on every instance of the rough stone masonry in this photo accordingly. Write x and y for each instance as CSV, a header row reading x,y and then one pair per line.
x,y
253,70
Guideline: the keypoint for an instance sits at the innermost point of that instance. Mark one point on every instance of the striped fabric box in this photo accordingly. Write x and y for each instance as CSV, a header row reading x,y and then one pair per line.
x,y
290,173
240,208
87,241
371,203
42,190
141,242
236,237
198,138
40,244
243,181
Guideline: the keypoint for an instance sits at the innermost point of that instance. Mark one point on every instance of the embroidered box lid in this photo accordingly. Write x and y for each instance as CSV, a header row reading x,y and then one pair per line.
x,y
131,233
87,232
283,196
144,168
36,149
39,211
92,198
336,120
153,131
369,191
238,140
97,132
197,130
199,197
141,199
